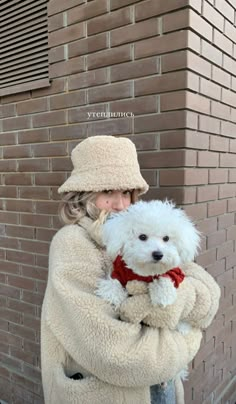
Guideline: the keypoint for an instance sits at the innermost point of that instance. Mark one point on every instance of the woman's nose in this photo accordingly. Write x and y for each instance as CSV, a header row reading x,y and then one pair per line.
x,y
118,204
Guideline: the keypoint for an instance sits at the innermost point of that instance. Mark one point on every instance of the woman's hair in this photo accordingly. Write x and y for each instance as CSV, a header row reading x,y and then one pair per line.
x,y
75,205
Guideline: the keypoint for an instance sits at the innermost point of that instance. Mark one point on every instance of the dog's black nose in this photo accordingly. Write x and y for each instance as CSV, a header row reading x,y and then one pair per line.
x,y
157,255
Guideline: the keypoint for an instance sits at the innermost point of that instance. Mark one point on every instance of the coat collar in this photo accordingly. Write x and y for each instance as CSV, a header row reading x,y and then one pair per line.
x,y
93,228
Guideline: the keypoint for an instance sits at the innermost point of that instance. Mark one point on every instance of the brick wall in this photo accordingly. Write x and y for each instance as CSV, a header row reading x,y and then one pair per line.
x,y
171,63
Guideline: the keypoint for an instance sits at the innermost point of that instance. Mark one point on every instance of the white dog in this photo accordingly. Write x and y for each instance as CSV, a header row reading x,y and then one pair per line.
x,y
149,241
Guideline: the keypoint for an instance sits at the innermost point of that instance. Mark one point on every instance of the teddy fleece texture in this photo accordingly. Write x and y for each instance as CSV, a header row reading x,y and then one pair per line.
x,y
82,333
114,158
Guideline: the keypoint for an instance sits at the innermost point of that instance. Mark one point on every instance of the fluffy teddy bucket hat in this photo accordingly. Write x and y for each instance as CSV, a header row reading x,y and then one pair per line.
x,y
103,163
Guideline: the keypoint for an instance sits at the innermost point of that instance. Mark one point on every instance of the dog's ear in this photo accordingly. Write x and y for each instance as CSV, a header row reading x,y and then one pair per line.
x,y
113,234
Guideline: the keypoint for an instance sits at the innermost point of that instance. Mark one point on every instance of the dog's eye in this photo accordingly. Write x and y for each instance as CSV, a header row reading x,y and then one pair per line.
x,y
143,237
166,238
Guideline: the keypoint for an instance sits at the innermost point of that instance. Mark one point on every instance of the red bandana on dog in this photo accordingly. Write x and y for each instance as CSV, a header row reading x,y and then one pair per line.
x,y
124,274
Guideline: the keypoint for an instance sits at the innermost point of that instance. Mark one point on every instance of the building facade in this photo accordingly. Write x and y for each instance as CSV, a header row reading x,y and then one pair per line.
x,y
162,73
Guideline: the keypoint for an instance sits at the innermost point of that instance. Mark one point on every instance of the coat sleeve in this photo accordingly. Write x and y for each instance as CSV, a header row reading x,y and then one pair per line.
x,y
116,352
207,296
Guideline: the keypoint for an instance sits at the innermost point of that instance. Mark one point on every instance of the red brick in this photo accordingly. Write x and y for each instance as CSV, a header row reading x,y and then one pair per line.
x,y
49,208
56,7
31,165
49,149
34,246
135,69
183,177
67,100
58,85
134,32
218,175
109,21
55,22
34,192
33,136
49,118
109,57
110,92
9,217
83,114
145,142
185,99
86,11
8,192
67,34
16,152
217,208
187,138
88,45
165,121
21,257
19,205
8,138
32,106
114,4
138,106
65,68
175,21
150,8
16,123
117,126
165,43
174,158
207,193
167,82
88,79
35,220
7,110
226,190
19,231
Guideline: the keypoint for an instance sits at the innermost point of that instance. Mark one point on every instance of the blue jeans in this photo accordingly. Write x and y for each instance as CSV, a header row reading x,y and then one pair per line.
x,y
163,395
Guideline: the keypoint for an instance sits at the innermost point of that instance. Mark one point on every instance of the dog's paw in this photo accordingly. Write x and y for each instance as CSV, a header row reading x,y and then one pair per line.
x,y
183,327
162,292
112,291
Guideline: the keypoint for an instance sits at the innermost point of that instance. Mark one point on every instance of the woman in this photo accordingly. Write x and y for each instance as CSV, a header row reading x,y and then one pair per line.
x,y
89,356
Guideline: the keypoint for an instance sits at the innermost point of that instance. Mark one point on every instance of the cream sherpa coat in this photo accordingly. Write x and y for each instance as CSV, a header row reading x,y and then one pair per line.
x,y
81,333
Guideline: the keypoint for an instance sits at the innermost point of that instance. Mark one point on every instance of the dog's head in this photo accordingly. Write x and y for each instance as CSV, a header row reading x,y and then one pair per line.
x,y
152,237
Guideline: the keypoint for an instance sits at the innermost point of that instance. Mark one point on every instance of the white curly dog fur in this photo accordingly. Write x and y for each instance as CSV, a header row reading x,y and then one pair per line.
x,y
152,238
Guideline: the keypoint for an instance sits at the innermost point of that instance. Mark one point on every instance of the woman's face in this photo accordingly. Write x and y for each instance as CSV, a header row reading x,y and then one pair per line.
x,y
113,201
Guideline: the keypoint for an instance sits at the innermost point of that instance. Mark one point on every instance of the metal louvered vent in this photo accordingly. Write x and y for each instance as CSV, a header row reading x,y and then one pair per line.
x,y
23,41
